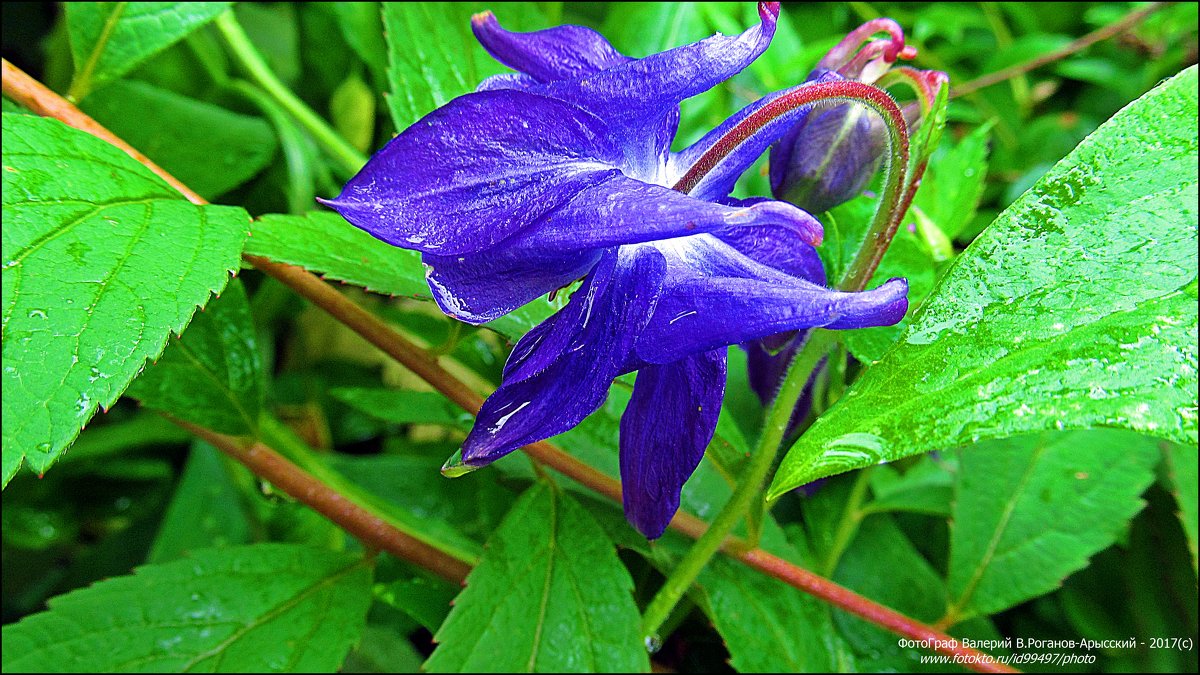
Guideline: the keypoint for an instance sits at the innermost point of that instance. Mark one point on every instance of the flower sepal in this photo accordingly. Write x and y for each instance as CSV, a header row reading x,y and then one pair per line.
x,y
455,467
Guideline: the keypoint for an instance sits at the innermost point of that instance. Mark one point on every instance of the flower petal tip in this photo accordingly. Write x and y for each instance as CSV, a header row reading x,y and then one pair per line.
x,y
455,466
482,18
768,9
649,525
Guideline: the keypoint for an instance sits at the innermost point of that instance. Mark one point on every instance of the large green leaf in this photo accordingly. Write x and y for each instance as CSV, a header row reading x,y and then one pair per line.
x,y
767,625
102,261
108,39
433,56
207,509
208,148
1181,465
911,586
326,244
1076,308
1029,511
268,607
550,595
212,374
749,610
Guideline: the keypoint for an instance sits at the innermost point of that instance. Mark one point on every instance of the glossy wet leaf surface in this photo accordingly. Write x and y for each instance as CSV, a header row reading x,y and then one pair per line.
x,y
549,595
1076,308
267,607
108,39
210,375
102,261
1029,511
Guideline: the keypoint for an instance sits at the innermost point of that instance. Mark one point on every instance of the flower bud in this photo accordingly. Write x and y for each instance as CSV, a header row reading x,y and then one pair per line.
x,y
829,155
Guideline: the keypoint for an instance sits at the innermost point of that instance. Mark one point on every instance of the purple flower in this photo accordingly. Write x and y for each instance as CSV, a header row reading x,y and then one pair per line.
x,y
563,171
828,156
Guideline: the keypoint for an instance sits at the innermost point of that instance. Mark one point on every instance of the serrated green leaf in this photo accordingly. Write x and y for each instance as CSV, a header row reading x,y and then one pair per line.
x,y
910,585
207,509
208,148
1029,511
734,602
1076,308
210,375
102,261
326,244
268,607
1181,464
767,625
550,595
108,39
433,56
953,183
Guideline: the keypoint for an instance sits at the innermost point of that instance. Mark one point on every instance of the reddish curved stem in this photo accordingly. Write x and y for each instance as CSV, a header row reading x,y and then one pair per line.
x,y
844,91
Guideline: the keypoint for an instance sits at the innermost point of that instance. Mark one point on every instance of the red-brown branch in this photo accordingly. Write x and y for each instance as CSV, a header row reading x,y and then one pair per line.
x,y
370,529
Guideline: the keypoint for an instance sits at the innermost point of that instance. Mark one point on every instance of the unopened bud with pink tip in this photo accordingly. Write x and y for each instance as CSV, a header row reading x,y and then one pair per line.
x,y
829,155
